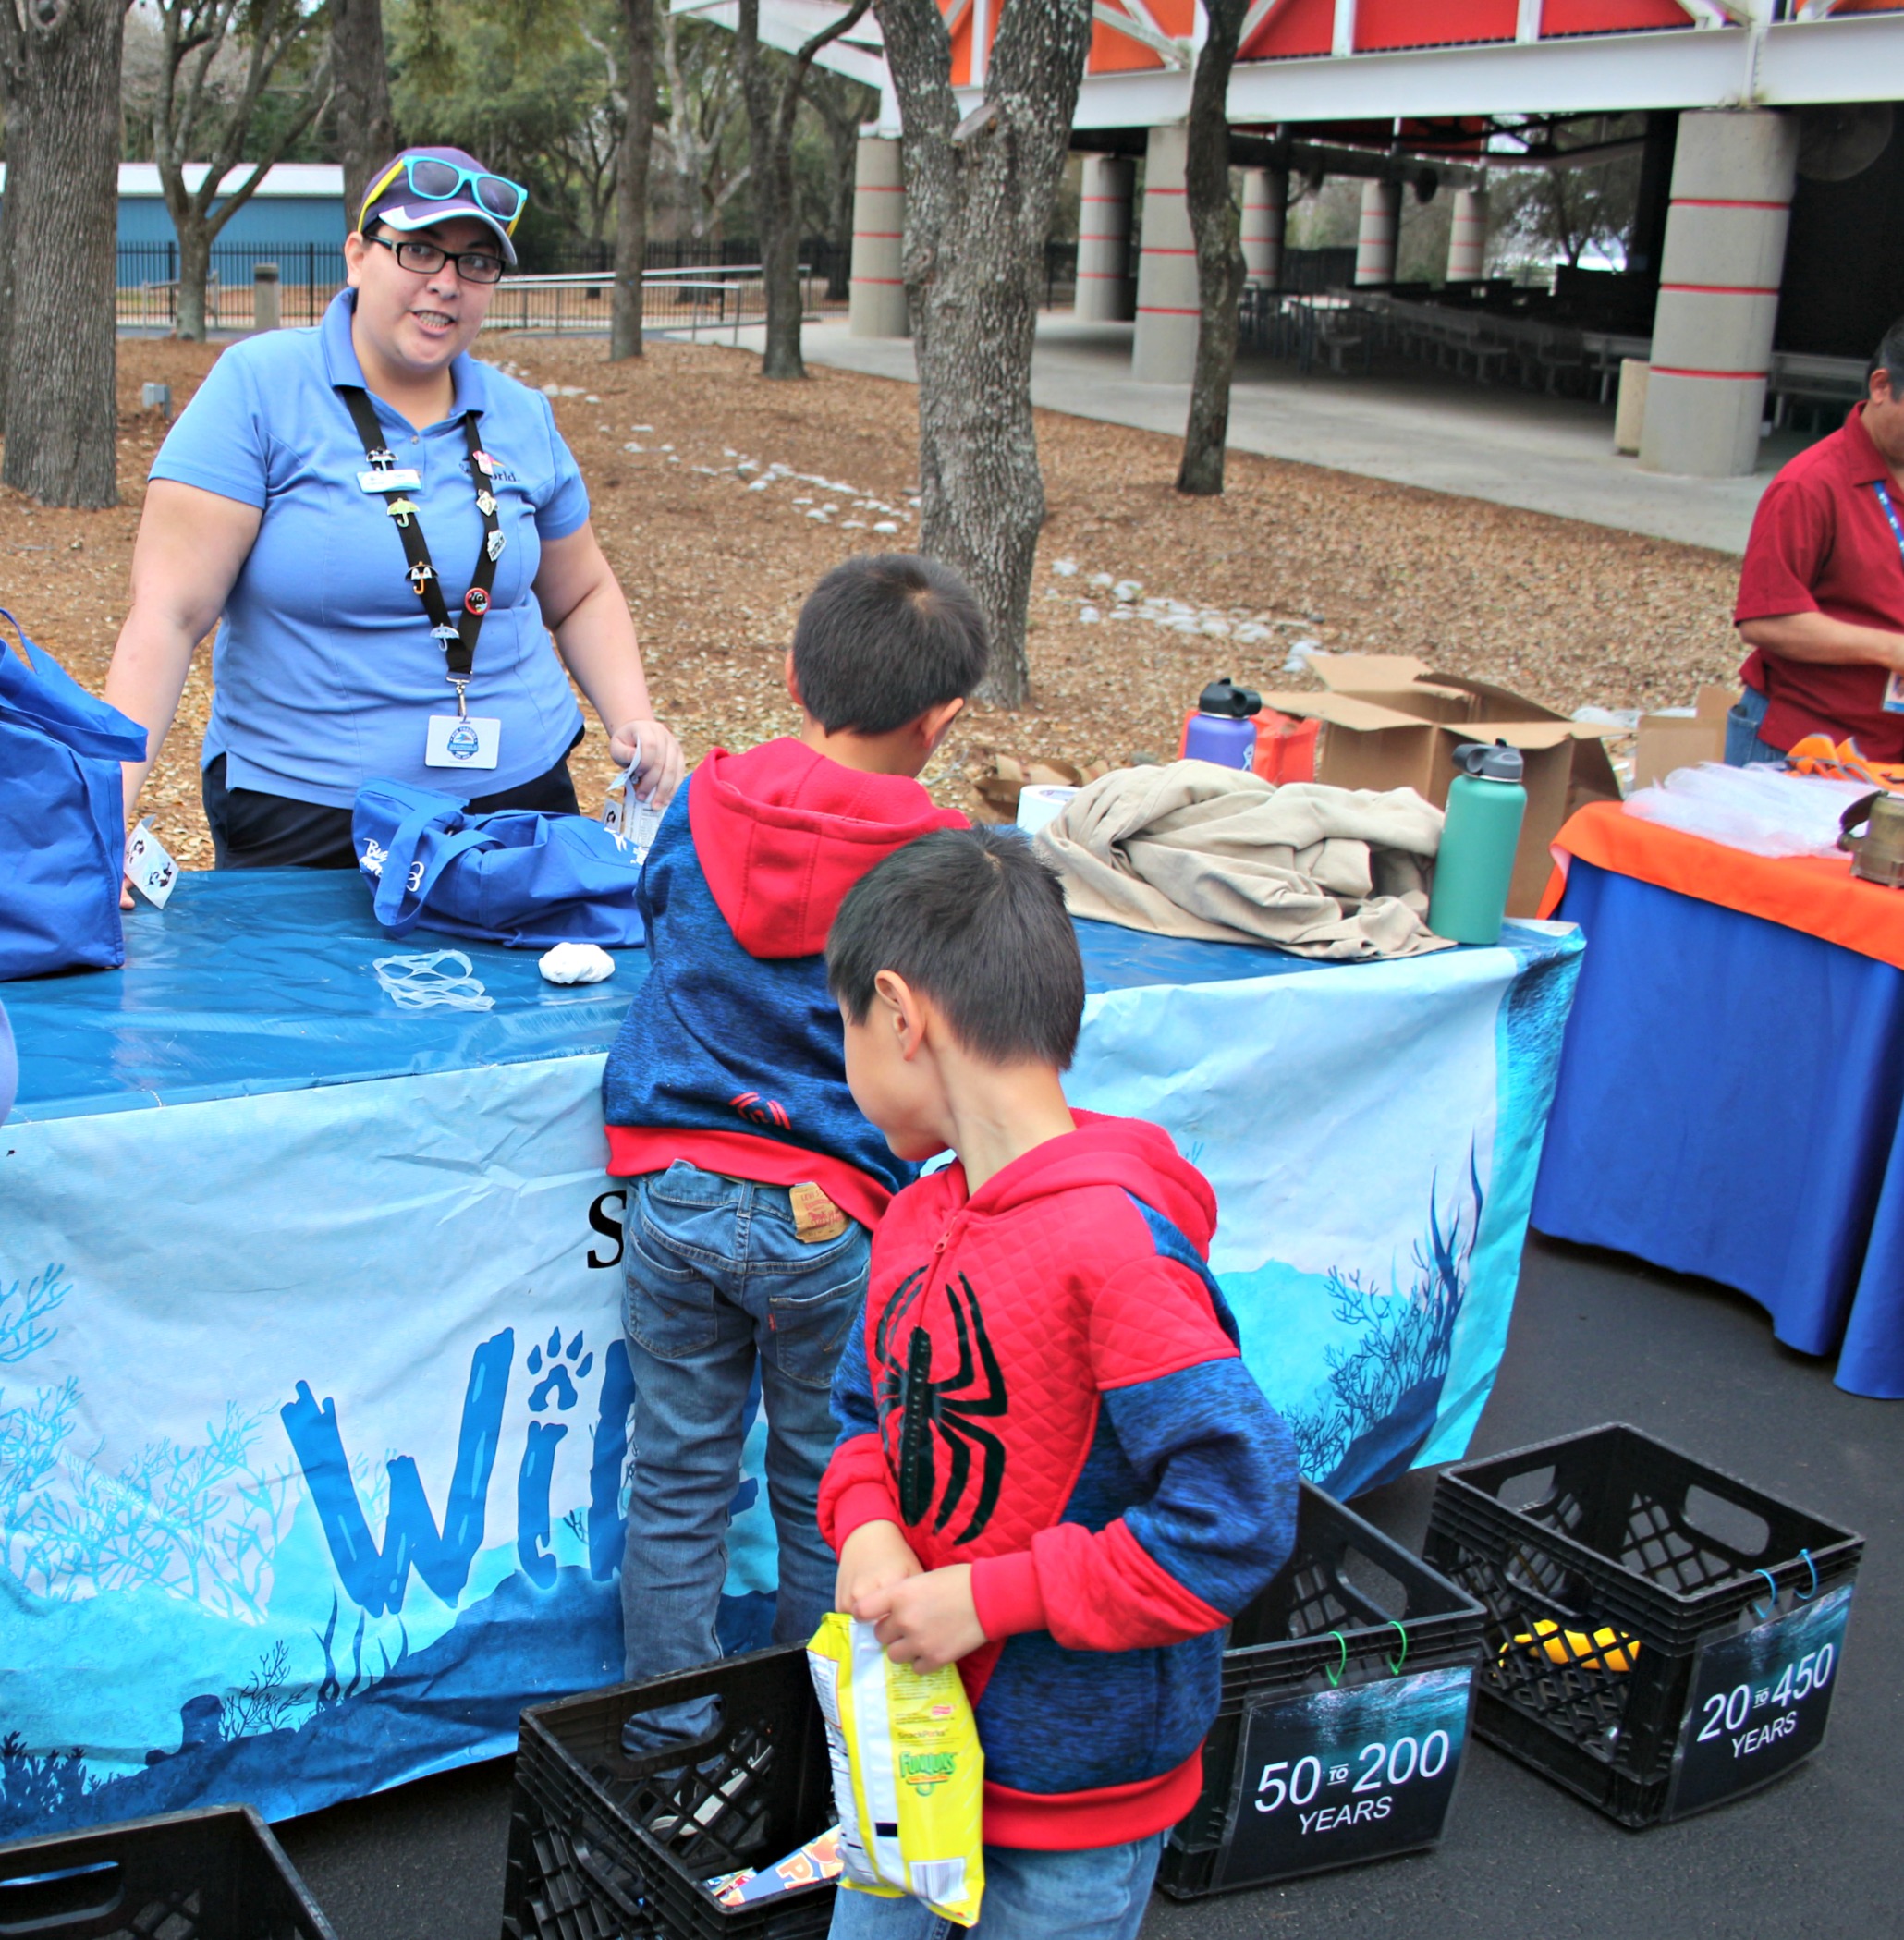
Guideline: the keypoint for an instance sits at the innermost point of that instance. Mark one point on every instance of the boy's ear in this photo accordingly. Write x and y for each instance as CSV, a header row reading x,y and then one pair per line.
x,y
935,723
899,1011
793,685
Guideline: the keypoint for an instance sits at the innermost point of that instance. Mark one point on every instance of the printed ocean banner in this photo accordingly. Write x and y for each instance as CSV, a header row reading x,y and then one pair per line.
x,y
1371,1222
292,1515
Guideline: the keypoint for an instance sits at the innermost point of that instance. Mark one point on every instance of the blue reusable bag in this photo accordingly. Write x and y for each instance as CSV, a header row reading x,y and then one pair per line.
x,y
62,817
513,876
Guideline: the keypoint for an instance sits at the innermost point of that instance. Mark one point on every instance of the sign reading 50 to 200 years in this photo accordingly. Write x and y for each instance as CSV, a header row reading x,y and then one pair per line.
x,y
1759,1704
1333,1777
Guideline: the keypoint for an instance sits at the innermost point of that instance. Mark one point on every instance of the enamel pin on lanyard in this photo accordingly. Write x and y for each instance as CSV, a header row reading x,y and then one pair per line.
x,y
461,739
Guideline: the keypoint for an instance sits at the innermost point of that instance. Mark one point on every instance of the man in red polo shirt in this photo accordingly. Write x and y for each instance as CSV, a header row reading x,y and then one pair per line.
x,y
1821,597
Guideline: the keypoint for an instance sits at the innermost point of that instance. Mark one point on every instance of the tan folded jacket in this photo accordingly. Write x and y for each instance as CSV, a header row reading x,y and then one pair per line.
x,y
1192,850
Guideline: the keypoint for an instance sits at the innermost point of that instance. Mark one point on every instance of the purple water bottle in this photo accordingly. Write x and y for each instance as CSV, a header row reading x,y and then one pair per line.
x,y
1221,729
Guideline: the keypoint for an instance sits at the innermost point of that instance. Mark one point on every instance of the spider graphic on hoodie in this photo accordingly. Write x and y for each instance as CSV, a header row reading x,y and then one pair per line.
x,y
946,1411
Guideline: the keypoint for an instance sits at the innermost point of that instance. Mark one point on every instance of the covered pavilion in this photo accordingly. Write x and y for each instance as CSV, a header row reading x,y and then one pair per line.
x,y
1765,256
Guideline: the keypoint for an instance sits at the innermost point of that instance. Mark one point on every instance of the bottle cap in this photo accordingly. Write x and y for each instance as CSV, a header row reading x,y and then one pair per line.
x,y
1223,697
1499,762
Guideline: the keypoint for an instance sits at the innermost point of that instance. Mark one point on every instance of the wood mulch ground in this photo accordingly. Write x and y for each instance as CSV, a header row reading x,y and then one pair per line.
x,y
720,499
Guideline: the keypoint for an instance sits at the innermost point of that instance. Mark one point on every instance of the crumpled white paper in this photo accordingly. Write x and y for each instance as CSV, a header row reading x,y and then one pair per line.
x,y
576,963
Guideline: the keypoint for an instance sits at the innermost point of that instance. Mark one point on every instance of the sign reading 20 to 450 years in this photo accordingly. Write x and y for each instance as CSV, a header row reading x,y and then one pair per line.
x,y
1333,1777
1759,1702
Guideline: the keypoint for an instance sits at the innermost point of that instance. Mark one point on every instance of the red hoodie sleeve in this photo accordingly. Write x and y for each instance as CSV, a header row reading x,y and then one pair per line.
x,y
1218,1472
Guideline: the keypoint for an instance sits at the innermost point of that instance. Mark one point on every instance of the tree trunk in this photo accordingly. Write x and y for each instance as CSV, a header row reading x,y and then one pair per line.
x,y
979,198
366,129
61,64
631,178
770,112
1217,233
194,272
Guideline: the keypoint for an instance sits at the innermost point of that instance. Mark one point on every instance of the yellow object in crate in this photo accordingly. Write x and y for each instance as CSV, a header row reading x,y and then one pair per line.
x,y
1606,1650
907,1773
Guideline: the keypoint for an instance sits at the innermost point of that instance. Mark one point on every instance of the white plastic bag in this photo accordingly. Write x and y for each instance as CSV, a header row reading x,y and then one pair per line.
x,y
1760,810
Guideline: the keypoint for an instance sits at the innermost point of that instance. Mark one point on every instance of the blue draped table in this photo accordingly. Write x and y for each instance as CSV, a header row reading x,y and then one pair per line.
x,y
1732,1105
314,1408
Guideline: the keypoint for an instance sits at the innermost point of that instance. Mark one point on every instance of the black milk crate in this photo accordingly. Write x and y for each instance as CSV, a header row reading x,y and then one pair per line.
x,y
605,1847
1661,1636
1346,1690
213,1875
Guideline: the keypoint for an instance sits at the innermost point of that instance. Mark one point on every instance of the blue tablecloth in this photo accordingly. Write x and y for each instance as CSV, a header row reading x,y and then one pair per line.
x,y
1731,1104
314,1404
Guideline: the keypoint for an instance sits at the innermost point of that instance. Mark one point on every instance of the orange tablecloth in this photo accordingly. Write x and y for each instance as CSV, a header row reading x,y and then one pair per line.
x,y
1815,895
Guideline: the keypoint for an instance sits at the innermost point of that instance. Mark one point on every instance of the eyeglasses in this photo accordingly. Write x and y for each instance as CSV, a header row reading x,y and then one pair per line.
x,y
424,259
439,181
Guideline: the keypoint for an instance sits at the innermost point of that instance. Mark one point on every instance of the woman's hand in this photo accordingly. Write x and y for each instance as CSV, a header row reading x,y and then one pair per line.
x,y
872,1561
653,756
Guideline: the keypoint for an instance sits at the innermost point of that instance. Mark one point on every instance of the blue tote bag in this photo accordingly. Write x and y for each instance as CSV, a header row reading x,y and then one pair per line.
x,y
62,817
513,876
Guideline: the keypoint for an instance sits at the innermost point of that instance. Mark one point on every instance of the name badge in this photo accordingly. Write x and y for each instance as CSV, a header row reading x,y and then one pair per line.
x,y
1894,694
390,479
148,867
463,741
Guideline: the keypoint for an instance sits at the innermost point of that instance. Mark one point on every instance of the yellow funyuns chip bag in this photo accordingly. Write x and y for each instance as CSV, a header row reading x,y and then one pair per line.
x,y
908,1774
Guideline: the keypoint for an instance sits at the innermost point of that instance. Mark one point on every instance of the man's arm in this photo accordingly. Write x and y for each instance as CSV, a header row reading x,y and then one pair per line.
x,y
1816,637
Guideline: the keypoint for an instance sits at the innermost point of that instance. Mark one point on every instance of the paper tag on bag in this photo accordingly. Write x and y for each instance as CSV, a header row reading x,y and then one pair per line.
x,y
631,820
148,867
815,1217
1894,694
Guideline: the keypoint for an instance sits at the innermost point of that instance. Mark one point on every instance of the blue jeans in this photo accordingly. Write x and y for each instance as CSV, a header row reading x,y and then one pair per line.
x,y
718,1286
1743,747
1096,1895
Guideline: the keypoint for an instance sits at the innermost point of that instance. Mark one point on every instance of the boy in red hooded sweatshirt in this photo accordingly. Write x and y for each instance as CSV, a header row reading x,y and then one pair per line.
x,y
754,1179
1054,1469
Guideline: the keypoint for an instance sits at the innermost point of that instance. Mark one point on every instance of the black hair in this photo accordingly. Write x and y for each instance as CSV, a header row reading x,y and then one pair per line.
x,y
972,918
1889,358
881,639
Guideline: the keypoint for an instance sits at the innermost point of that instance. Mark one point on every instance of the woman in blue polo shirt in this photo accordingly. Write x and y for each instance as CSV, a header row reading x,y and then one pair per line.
x,y
387,532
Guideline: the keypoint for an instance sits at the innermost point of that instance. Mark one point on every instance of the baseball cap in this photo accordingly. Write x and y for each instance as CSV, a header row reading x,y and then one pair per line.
x,y
424,185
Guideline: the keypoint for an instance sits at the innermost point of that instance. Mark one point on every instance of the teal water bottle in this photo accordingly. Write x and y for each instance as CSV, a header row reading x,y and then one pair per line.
x,y
1476,863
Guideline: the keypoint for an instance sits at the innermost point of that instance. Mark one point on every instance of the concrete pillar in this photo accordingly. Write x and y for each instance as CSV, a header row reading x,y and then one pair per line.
x,y
1733,174
1165,348
1467,238
1380,229
1106,291
266,312
1265,210
876,305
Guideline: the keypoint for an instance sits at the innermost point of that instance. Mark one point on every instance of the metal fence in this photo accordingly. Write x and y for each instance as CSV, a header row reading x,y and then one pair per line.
x,y
688,285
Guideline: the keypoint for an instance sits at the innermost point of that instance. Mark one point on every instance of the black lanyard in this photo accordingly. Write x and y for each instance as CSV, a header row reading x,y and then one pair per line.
x,y
458,636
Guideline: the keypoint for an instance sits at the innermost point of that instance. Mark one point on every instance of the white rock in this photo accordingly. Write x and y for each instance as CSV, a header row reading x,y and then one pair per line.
x,y
576,963
1127,589
1100,579
1089,616
1064,568
885,525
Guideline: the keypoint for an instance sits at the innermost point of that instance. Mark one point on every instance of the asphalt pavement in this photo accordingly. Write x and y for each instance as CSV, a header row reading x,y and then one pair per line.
x,y
1595,1338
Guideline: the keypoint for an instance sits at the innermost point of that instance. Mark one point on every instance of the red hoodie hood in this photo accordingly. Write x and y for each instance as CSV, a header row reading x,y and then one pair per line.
x,y
1103,1152
783,833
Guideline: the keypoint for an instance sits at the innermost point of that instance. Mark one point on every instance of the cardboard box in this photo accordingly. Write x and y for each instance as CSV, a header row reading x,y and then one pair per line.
x,y
1390,721
1669,742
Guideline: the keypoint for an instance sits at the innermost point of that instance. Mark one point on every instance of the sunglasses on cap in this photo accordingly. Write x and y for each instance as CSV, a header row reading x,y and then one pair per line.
x,y
435,181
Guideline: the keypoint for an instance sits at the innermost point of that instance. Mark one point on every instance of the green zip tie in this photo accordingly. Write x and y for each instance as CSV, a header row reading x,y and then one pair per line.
x,y
1334,1677
1395,1666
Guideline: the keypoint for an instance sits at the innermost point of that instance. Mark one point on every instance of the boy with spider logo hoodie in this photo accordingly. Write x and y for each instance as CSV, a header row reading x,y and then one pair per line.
x,y
752,1176
1054,1469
